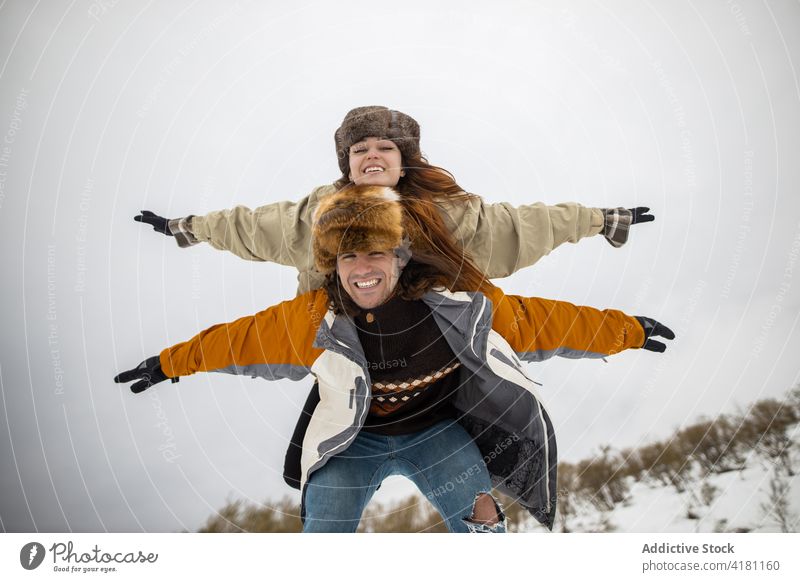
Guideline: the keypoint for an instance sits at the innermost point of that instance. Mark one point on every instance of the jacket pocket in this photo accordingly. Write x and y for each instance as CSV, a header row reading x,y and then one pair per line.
x,y
352,398
513,364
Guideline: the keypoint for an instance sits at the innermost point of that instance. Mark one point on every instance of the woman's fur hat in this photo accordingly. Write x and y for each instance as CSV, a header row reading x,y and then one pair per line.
x,y
356,219
376,121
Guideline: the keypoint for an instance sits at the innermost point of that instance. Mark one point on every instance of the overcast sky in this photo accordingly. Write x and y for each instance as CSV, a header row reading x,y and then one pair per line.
x,y
690,108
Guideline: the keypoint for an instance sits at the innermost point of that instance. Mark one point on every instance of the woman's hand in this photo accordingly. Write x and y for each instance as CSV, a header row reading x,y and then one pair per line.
x,y
641,214
159,223
620,220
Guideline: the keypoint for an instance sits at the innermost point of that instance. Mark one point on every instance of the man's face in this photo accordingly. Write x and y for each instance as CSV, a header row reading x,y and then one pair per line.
x,y
377,162
368,278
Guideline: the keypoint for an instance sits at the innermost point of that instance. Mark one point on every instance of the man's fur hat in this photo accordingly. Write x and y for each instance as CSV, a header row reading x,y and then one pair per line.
x,y
376,121
356,219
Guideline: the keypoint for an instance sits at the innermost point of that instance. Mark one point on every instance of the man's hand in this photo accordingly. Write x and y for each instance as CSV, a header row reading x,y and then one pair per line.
x,y
652,328
148,373
159,223
641,214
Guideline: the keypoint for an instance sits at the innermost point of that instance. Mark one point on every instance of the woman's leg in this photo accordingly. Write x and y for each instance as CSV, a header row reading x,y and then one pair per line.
x,y
447,466
337,493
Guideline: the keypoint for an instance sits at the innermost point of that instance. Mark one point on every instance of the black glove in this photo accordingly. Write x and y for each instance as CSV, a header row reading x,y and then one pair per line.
x,y
159,223
653,328
641,214
148,373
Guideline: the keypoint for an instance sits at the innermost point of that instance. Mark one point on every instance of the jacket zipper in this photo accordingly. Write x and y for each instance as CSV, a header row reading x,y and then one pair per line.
x,y
335,346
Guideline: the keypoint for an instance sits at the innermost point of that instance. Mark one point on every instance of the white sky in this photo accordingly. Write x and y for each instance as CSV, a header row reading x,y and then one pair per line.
x,y
689,108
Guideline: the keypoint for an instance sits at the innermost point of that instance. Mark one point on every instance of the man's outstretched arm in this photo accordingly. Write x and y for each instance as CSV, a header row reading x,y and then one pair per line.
x,y
538,329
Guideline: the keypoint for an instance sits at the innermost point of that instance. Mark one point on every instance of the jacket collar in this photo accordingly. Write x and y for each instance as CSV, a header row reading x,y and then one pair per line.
x,y
338,333
465,314
465,319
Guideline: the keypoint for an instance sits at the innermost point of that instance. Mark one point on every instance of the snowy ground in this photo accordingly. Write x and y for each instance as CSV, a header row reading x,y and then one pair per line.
x,y
737,505
735,502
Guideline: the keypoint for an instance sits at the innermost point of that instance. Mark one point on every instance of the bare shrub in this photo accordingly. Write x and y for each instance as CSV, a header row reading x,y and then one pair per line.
x,y
766,430
712,444
239,517
666,462
601,480
777,507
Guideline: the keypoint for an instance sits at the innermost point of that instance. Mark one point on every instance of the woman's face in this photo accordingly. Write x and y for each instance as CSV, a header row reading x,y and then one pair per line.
x,y
376,162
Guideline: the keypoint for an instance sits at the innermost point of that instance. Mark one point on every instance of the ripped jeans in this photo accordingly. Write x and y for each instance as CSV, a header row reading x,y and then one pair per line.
x,y
442,461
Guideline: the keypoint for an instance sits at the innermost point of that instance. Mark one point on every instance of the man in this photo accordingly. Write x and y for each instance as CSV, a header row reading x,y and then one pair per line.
x,y
414,379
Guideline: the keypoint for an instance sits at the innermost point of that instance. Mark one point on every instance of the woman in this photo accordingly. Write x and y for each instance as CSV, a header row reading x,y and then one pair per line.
x,y
500,238
379,146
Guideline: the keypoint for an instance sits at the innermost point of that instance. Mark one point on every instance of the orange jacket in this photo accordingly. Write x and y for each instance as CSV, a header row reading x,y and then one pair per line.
x,y
283,335
489,332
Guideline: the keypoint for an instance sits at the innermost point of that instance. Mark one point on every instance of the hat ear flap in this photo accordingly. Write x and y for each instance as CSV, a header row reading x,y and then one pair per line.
x,y
403,252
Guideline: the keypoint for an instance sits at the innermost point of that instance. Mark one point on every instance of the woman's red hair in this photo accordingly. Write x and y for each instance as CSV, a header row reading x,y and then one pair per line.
x,y
422,190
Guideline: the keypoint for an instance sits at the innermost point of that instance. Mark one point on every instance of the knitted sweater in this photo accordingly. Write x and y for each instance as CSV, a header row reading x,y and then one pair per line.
x,y
411,367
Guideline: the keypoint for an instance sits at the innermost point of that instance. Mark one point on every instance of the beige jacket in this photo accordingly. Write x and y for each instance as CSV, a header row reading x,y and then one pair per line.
x,y
500,237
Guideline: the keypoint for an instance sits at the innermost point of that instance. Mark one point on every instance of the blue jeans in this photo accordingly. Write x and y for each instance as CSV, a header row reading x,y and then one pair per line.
x,y
442,461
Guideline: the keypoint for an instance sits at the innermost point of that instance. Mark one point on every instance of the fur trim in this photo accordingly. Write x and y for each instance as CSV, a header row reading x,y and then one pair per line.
x,y
356,219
